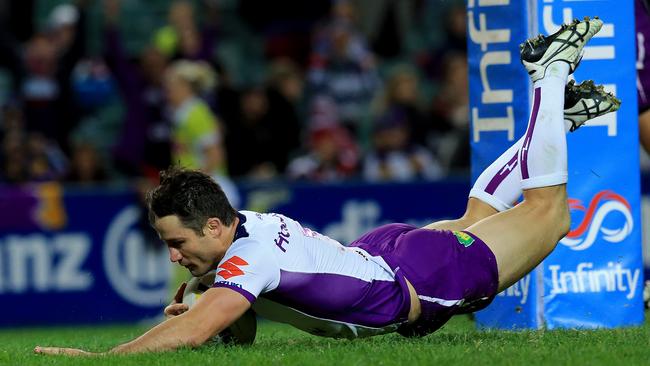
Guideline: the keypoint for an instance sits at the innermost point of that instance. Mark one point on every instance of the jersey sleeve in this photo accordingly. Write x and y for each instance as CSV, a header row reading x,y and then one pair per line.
x,y
249,268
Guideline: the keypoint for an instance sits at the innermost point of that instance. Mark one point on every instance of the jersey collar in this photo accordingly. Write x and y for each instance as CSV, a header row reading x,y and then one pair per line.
x,y
240,231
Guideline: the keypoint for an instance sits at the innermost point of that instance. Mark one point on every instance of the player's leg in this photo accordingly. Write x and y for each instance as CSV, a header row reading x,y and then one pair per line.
x,y
499,185
522,236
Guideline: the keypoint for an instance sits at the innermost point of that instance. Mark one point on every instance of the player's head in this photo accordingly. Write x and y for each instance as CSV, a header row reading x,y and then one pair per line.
x,y
191,195
190,212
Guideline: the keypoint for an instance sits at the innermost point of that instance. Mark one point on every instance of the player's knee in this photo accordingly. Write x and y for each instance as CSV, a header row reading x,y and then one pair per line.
x,y
564,220
557,212
476,211
553,214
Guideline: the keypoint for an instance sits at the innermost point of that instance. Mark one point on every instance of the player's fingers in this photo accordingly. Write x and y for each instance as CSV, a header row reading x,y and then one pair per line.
x,y
60,351
178,298
179,308
46,350
176,309
168,310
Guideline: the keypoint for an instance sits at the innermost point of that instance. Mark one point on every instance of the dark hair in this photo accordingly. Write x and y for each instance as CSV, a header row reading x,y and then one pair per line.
x,y
192,196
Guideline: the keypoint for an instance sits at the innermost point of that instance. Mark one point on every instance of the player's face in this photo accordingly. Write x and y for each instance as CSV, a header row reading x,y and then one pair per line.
x,y
199,254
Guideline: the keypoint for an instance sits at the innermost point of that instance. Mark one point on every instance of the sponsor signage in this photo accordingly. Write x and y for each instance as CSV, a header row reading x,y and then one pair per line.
x,y
90,256
78,258
594,277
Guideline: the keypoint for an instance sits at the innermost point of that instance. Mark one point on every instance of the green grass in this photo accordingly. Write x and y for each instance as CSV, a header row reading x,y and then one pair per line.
x,y
458,343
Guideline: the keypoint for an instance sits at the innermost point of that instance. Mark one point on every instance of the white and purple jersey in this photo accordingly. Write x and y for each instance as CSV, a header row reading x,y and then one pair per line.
x,y
294,275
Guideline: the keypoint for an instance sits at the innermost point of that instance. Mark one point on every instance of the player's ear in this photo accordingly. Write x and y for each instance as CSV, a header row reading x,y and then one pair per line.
x,y
213,227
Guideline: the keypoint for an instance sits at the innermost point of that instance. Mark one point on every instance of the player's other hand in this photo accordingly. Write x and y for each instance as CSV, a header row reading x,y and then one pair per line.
x,y
177,307
62,351
173,310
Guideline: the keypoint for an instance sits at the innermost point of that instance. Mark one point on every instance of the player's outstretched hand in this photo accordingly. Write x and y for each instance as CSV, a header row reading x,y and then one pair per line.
x,y
62,351
177,307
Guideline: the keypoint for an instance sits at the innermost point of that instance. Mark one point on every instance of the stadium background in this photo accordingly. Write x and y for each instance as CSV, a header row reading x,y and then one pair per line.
x,y
298,137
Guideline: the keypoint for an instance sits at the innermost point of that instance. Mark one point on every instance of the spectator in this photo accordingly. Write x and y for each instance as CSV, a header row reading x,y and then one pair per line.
x,y
388,25
27,156
31,158
454,42
342,15
267,119
332,156
86,166
49,60
14,157
642,24
196,135
285,26
284,92
46,161
253,127
395,156
62,23
401,92
450,111
342,67
92,84
197,138
181,38
144,147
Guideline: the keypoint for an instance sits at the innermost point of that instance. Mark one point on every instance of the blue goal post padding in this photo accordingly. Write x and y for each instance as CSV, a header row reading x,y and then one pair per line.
x,y
594,278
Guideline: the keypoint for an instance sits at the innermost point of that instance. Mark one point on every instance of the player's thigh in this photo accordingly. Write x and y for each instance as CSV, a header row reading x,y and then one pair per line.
x,y
476,211
523,236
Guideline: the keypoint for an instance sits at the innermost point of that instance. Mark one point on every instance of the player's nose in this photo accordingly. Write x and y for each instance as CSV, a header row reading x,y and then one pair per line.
x,y
175,255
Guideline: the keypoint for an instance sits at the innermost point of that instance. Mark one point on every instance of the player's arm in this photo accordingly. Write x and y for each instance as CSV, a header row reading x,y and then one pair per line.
x,y
216,310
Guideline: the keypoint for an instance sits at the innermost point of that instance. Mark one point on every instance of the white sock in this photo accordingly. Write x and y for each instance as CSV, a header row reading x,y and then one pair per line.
x,y
543,154
499,185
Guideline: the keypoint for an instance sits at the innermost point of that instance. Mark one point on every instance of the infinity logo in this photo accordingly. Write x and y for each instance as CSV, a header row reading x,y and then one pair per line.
x,y
603,203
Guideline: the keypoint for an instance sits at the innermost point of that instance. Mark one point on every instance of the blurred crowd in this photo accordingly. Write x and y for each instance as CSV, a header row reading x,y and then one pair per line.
x,y
345,90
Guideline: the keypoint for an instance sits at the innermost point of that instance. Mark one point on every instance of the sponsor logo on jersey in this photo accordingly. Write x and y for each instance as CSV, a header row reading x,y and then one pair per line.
x,y
604,205
230,268
283,234
464,239
231,284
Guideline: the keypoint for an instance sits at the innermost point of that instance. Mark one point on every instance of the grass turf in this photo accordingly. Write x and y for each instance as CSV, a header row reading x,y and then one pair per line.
x,y
458,342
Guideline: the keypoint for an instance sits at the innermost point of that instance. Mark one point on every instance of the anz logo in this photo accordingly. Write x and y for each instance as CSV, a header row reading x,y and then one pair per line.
x,y
137,270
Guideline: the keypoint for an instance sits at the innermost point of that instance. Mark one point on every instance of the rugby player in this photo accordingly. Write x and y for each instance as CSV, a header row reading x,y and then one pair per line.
x,y
396,278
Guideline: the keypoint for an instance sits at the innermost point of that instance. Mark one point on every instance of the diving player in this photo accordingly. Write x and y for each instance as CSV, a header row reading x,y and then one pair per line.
x,y
396,277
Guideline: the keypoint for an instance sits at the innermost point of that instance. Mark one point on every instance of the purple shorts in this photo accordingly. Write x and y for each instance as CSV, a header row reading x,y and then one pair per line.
x,y
452,272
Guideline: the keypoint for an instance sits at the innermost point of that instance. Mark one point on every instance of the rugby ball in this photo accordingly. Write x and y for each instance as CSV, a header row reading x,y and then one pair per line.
x,y
241,332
